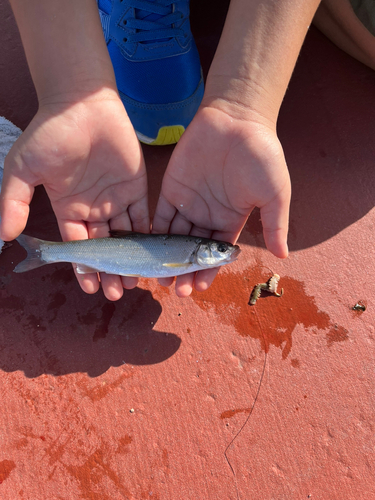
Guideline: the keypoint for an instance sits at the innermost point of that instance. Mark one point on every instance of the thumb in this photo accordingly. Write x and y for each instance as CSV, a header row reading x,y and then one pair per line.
x,y
275,220
16,195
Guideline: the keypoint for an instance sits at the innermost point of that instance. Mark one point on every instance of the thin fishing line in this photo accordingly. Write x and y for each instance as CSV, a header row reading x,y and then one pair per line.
x,y
251,409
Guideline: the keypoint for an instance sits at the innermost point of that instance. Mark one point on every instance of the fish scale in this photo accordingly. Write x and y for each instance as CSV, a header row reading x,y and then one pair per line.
x,y
127,256
130,254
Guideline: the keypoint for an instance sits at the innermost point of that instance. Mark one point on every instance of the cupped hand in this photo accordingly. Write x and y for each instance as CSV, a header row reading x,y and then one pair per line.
x,y
220,170
89,160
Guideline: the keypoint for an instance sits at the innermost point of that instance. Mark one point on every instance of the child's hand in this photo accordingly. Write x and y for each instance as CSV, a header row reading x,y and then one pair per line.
x,y
88,158
221,169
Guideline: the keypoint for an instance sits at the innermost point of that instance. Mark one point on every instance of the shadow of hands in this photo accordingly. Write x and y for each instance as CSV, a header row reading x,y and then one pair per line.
x,y
326,128
49,326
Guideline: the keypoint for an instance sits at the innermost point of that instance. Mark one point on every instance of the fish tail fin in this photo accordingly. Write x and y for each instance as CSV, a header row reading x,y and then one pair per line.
x,y
34,257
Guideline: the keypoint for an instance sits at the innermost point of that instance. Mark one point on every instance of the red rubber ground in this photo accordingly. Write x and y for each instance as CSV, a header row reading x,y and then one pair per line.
x,y
140,399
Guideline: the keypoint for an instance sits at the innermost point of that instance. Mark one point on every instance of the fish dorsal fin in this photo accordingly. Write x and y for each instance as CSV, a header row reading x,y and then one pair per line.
x,y
120,233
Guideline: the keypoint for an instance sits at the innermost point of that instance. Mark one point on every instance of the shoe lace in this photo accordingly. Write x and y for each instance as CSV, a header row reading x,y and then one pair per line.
x,y
154,20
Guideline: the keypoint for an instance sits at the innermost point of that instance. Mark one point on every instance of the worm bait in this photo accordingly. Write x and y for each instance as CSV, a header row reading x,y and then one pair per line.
x,y
270,287
255,294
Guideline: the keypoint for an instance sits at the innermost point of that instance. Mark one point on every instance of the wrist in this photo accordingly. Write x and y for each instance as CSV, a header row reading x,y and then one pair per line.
x,y
256,55
79,102
241,99
74,73
64,47
77,89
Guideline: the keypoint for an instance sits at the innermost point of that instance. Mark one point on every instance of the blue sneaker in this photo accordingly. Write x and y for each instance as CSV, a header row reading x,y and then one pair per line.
x,y
156,63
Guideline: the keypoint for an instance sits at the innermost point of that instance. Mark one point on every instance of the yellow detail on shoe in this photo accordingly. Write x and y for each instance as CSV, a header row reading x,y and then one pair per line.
x,y
168,135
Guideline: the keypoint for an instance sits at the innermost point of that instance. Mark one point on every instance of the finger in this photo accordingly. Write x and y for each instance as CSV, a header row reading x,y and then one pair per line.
x,y
138,216
16,196
205,278
77,230
111,284
128,282
179,225
164,214
165,281
275,218
185,283
227,236
124,222
136,219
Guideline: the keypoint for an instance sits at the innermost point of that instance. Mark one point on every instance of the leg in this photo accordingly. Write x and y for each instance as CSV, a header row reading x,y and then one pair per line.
x,y
339,22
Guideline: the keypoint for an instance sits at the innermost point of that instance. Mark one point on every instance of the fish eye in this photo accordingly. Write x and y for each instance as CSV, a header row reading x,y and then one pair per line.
x,y
222,247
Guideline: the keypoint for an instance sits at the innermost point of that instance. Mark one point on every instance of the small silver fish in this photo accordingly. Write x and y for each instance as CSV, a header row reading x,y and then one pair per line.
x,y
131,254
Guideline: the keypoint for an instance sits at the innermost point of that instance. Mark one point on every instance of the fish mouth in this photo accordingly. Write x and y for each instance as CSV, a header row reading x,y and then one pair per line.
x,y
236,252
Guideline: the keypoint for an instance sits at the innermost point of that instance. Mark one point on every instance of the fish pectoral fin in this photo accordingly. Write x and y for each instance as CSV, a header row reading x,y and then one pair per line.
x,y
177,264
82,269
132,275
